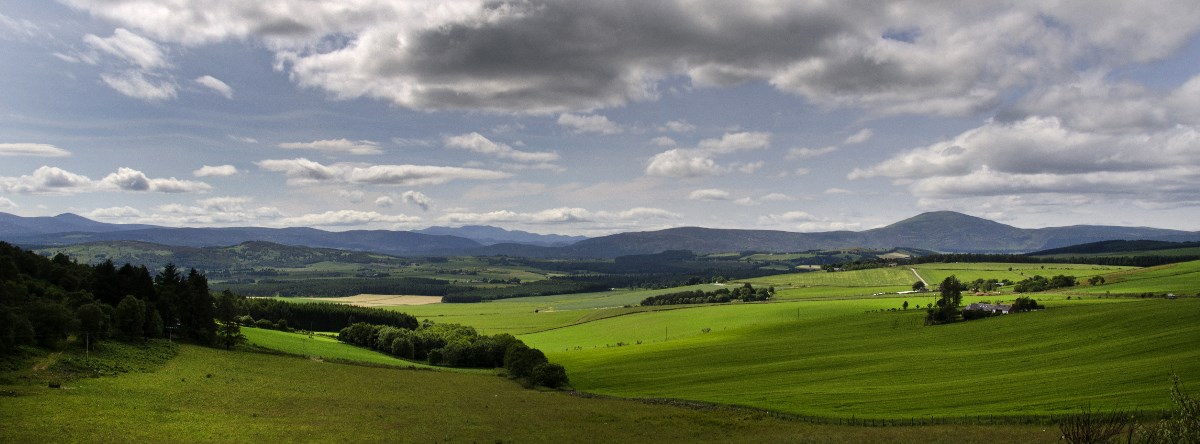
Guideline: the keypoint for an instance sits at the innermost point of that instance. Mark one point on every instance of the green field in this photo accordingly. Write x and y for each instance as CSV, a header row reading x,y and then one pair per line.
x,y
935,273
841,359
211,395
329,349
1182,278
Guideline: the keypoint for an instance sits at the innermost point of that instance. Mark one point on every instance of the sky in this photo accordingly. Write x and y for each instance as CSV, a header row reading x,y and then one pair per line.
x,y
596,117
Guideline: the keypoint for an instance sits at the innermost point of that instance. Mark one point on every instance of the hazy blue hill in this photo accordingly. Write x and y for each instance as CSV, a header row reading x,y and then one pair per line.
x,y
951,231
944,231
488,235
13,225
245,255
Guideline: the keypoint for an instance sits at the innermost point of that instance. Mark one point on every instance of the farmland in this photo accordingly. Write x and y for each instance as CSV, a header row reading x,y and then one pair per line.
x,y
210,395
829,349
833,349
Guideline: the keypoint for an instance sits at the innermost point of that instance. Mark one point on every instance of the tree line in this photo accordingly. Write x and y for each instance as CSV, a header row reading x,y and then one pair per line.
x,y
458,346
43,301
322,316
745,293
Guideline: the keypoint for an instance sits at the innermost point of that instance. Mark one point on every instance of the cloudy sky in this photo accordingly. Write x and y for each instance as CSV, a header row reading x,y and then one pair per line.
x,y
600,116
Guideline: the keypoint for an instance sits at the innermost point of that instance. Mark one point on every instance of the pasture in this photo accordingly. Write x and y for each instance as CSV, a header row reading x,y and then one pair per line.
x,y
839,358
211,395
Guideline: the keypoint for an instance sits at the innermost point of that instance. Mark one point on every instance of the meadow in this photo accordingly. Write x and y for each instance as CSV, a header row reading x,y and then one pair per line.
x,y
831,347
213,395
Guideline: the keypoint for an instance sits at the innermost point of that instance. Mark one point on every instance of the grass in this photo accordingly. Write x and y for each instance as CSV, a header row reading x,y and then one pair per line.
x,y
966,272
329,349
843,358
1181,278
211,395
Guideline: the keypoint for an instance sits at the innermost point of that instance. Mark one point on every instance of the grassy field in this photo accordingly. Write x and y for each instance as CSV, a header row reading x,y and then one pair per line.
x,y
935,273
844,358
1182,278
329,349
211,395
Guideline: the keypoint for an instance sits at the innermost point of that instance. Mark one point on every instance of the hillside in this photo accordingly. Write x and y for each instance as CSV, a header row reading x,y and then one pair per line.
x,y
248,254
488,235
943,231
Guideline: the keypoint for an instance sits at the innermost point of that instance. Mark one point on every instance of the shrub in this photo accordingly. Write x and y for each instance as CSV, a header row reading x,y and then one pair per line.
x,y
548,374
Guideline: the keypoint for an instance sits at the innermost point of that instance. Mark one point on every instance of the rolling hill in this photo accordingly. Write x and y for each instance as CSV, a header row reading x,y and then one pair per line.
x,y
943,231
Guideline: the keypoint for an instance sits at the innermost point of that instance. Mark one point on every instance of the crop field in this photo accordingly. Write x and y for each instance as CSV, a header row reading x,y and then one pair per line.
x,y
841,359
935,273
381,300
211,395
1182,278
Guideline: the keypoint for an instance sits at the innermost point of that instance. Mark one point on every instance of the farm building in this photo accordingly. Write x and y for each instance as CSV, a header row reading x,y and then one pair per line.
x,y
993,308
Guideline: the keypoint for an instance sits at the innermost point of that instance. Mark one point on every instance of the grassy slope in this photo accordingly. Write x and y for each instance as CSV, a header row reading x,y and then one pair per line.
x,y
935,273
331,349
209,395
1181,278
837,359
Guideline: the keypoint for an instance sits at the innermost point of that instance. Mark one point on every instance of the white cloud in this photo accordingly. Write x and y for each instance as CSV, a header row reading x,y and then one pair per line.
x,y
139,65
589,124
384,201
859,137
1041,155
20,29
733,142
6,203
417,175
698,162
563,57
217,85
682,163
347,218
128,179
54,180
32,149
775,197
352,196
131,48
477,143
416,198
115,213
242,139
140,85
838,191
804,222
215,171
356,147
677,126
709,194
301,170
47,180
563,215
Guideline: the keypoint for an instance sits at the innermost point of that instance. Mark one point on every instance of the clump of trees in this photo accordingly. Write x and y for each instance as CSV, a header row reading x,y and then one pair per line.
x,y
745,293
44,301
1040,283
458,346
945,309
323,316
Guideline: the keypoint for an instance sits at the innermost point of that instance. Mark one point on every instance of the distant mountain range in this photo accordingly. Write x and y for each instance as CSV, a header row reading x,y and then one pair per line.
x,y
487,235
939,231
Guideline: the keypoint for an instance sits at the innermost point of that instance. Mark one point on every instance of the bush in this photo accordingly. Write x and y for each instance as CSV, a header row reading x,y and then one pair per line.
x,y
520,360
548,374
264,324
